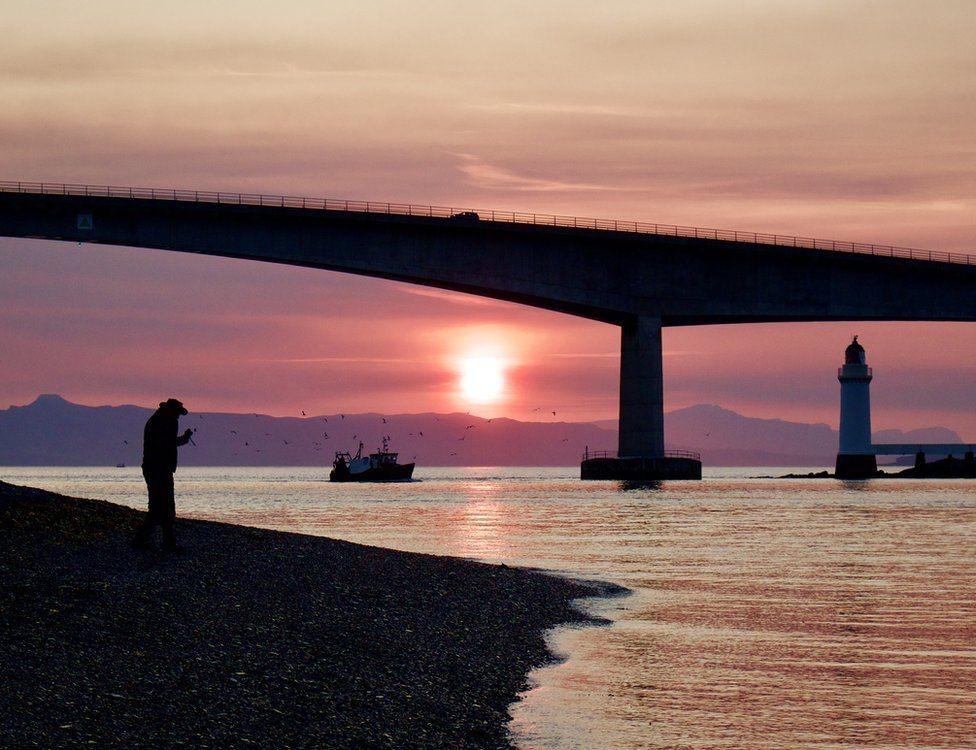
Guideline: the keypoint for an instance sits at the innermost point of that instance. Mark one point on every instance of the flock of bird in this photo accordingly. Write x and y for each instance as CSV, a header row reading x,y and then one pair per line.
x,y
318,445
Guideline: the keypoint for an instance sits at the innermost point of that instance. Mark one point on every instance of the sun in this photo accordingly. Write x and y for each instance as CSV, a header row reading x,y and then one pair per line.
x,y
482,379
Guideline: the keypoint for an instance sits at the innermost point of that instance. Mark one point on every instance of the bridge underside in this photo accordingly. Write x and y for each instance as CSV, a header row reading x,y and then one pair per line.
x,y
639,282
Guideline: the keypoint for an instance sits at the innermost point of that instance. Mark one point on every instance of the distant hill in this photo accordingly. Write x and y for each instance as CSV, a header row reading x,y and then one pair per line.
x,y
54,432
726,438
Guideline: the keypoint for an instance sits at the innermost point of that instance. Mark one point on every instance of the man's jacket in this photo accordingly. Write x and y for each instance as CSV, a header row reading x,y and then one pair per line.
x,y
160,441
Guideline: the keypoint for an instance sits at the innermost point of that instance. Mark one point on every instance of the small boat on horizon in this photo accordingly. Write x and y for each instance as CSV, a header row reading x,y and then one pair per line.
x,y
381,466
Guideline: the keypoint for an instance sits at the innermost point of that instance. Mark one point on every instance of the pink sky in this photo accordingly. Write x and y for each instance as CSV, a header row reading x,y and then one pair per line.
x,y
833,119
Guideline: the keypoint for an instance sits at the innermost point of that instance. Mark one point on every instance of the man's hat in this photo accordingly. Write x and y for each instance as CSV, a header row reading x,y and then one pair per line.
x,y
174,404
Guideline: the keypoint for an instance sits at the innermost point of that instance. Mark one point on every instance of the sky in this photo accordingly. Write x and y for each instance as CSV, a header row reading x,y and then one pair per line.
x,y
843,120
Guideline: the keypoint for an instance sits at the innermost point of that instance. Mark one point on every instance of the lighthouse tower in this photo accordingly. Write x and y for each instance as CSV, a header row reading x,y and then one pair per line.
x,y
855,460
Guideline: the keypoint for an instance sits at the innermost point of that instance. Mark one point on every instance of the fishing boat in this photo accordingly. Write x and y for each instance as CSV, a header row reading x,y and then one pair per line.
x,y
381,466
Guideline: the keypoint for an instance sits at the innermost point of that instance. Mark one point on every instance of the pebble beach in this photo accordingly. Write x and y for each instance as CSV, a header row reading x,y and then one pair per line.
x,y
250,637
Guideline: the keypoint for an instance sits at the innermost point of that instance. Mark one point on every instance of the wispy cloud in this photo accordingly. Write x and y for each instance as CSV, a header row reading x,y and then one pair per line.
x,y
454,297
337,360
491,177
556,108
616,355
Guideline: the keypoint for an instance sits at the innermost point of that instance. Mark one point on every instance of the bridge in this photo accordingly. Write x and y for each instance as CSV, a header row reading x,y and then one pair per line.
x,y
928,449
639,276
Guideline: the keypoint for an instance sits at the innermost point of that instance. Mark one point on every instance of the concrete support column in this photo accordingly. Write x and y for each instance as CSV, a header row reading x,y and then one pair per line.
x,y
641,389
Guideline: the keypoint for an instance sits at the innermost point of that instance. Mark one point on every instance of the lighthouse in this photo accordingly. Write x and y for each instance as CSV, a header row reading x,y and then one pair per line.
x,y
855,459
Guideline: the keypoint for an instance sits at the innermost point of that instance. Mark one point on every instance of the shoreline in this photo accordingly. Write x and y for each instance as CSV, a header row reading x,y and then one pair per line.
x,y
252,636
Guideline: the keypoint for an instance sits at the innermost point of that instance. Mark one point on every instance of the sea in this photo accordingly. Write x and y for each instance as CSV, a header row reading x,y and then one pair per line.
x,y
763,613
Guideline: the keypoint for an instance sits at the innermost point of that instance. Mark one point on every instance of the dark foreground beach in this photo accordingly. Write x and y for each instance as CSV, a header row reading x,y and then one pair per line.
x,y
252,637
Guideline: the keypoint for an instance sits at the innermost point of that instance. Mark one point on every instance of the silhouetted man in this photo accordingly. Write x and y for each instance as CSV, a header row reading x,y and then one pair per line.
x,y
160,441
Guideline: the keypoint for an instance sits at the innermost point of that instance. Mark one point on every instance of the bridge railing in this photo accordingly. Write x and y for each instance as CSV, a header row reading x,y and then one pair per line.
x,y
694,455
471,214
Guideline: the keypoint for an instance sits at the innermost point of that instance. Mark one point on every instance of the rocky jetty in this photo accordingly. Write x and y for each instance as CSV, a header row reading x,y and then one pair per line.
x,y
254,638
944,468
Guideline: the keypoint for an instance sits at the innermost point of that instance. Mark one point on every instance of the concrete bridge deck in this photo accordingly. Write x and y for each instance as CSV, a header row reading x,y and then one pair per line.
x,y
636,275
512,217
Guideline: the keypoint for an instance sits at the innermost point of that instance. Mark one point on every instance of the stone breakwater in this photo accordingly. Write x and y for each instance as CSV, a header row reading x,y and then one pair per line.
x,y
251,637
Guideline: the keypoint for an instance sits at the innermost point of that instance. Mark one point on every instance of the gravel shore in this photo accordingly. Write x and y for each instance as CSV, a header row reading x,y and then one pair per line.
x,y
254,638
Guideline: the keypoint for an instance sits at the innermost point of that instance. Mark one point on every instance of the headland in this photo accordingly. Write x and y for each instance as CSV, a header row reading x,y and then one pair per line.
x,y
944,468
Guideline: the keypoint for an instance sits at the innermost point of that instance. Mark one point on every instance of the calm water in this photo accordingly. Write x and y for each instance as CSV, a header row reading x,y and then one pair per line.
x,y
765,613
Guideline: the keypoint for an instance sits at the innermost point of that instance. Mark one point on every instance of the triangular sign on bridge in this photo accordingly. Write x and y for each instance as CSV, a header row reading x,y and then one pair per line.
x,y
84,221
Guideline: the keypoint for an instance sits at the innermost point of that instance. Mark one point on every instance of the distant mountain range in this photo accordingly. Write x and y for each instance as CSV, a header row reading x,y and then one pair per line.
x,y
54,432
726,438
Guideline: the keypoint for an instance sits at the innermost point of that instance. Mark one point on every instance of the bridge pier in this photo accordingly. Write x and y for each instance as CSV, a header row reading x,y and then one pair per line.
x,y
640,454
641,389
